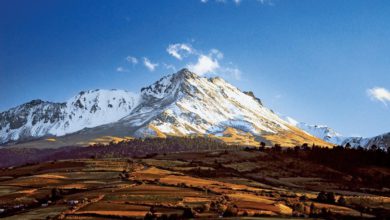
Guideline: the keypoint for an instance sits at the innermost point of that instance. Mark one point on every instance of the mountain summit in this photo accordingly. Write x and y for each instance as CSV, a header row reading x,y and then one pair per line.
x,y
179,104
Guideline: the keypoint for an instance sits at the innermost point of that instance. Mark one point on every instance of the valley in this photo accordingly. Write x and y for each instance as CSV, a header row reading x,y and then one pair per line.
x,y
217,180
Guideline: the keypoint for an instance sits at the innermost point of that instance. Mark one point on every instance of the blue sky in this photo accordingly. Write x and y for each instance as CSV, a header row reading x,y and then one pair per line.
x,y
321,62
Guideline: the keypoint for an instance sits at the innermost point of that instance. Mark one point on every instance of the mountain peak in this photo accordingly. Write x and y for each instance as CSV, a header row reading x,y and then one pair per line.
x,y
169,84
182,103
35,102
186,74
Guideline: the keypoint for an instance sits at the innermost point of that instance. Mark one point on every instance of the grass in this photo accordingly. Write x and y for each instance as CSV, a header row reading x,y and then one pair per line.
x,y
295,137
257,182
234,136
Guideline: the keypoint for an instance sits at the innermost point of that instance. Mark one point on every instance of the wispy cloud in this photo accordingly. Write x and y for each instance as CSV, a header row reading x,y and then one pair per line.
x,y
121,69
132,60
195,60
149,65
266,2
380,94
205,63
233,72
180,50
169,67
278,96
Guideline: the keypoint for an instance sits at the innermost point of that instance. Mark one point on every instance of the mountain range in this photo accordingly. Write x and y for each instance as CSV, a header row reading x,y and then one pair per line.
x,y
330,135
180,104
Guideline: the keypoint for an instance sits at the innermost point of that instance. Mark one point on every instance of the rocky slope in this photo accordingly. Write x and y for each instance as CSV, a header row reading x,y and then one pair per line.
x,y
85,110
321,131
178,104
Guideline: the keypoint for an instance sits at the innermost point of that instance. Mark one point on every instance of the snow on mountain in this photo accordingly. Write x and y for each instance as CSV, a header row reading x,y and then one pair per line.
x,y
178,104
190,104
381,141
94,108
328,134
186,104
321,131
87,109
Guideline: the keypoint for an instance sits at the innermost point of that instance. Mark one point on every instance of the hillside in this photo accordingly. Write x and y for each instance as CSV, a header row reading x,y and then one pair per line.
x,y
181,104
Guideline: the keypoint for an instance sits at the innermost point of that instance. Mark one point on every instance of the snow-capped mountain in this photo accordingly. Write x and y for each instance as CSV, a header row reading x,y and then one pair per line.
x,y
381,141
178,104
186,104
330,135
193,104
85,110
321,131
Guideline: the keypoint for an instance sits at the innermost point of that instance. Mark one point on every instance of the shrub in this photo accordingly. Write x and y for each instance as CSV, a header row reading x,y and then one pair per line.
x,y
149,216
188,213
298,207
303,198
341,201
277,148
326,197
231,211
313,210
56,194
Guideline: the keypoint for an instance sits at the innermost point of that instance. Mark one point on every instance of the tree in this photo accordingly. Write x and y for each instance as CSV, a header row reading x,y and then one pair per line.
x,y
298,207
262,146
330,198
303,198
325,213
321,197
277,148
56,194
231,211
341,201
188,213
326,197
313,210
149,216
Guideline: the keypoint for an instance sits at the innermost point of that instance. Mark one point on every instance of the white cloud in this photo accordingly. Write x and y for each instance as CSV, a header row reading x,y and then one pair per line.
x,y
132,60
380,94
121,69
205,64
237,1
179,50
149,65
200,62
234,73
217,53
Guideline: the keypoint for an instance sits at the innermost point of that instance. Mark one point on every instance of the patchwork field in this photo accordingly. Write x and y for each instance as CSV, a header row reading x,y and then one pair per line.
x,y
208,184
